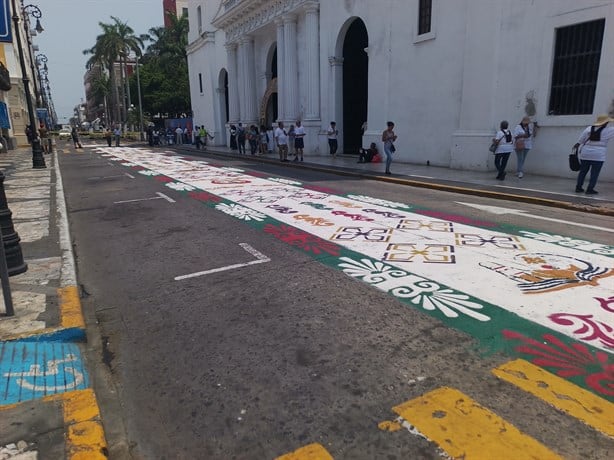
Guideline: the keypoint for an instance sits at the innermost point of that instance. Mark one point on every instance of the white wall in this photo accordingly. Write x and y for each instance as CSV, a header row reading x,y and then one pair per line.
x,y
446,91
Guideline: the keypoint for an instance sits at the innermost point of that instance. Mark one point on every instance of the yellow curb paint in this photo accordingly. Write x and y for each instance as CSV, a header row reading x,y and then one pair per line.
x,y
464,429
567,397
310,452
388,425
85,436
70,307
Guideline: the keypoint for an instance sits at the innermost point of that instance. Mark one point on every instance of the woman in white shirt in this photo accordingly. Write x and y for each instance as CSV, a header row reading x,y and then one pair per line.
x,y
524,132
594,141
505,144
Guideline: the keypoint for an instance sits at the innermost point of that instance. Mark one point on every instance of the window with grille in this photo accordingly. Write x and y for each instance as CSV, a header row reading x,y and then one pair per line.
x,y
577,53
424,16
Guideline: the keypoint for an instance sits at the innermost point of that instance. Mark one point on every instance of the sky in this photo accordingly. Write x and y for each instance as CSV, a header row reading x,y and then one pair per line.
x,y
71,26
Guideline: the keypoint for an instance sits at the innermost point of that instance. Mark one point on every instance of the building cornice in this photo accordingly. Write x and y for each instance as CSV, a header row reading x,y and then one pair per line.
x,y
240,17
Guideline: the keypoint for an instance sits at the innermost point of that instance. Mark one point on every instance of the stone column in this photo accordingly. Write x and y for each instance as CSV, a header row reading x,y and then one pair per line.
x,y
312,61
291,68
336,90
248,109
242,76
233,83
281,93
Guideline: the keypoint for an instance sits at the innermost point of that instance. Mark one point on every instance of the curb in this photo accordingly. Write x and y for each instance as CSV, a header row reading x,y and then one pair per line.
x,y
603,211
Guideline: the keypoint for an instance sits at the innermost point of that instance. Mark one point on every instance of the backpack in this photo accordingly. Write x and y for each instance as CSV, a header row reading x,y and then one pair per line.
x,y
595,134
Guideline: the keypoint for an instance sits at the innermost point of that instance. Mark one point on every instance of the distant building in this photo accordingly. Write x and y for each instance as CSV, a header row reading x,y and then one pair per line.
x,y
445,72
178,7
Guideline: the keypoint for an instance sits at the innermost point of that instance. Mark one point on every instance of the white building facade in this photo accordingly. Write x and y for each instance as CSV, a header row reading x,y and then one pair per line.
x,y
446,72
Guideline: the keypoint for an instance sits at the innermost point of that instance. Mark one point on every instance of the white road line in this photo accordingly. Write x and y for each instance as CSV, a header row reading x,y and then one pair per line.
x,y
167,198
519,212
261,258
110,163
104,177
130,176
140,199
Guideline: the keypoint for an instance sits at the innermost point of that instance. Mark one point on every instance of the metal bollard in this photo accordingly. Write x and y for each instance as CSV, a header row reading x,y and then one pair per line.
x,y
10,238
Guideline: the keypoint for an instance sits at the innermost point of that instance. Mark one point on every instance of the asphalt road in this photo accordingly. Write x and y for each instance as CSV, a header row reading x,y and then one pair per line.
x,y
258,360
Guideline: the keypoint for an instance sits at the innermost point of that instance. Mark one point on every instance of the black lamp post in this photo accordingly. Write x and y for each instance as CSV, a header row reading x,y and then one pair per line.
x,y
38,161
36,13
41,66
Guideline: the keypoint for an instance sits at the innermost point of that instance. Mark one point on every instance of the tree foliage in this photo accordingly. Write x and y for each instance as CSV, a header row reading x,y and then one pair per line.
x,y
163,67
164,71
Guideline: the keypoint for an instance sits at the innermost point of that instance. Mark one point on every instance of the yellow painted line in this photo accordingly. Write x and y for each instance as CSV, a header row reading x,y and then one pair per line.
x,y
310,452
567,397
70,307
464,429
85,436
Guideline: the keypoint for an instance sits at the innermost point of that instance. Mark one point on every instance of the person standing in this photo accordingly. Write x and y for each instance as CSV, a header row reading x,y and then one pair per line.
x,y
388,138
264,140
117,133
233,137
75,138
179,135
524,133
332,134
299,143
197,137
108,135
241,138
42,132
505,144
291,139
281,139
253,139
594,141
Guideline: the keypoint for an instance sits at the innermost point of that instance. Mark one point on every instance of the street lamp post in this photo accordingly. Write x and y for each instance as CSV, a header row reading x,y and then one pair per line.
x,y
38,161
138,88
36,13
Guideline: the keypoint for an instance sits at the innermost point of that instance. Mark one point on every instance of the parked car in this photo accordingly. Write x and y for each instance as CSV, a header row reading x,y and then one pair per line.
x,y
64,133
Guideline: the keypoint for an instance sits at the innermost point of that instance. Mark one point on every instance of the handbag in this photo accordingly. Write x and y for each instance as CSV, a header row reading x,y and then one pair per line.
x,y
392,148
493,147
520,143
574,162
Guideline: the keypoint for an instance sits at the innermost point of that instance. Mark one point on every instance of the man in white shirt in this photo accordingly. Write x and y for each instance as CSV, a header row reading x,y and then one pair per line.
x,y
179,134
331,134
281,139
299,143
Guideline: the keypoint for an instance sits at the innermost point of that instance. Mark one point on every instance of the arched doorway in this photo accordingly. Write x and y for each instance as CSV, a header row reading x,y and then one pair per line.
x,y
355,85
269,111
223,102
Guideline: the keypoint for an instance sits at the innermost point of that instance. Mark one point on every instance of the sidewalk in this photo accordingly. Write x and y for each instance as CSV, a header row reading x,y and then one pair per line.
x,y
544,190
47,408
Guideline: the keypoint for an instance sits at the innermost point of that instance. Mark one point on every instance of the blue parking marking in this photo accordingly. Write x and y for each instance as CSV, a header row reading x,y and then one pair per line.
x,y
32,370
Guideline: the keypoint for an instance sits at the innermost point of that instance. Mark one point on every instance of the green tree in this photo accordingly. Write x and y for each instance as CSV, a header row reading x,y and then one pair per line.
x,y
164,72
116,42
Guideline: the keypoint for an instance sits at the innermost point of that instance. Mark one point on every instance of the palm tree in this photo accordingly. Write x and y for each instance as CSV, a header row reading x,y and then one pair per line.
x,y
115,43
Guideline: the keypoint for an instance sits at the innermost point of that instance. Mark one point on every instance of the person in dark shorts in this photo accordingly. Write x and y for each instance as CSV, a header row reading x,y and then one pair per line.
x,y
299,143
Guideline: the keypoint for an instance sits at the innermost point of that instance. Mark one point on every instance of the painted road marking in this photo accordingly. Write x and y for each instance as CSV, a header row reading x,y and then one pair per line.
x,y
464,429
70,307
260,259
32,370
567,397
167,198
310,452
106,177
161,196
130,176
519,212
85,435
